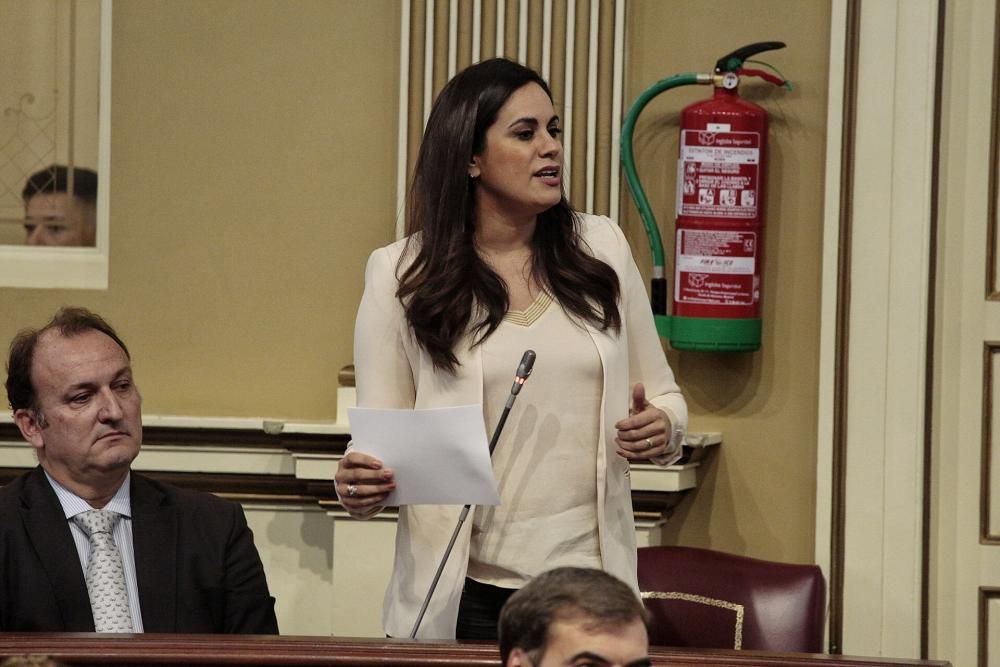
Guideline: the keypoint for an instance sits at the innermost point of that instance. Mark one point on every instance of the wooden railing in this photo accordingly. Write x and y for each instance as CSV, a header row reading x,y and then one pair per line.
x,y
264,651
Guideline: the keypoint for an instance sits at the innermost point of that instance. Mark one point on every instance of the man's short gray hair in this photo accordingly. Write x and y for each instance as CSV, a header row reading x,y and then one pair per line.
x,y
565,593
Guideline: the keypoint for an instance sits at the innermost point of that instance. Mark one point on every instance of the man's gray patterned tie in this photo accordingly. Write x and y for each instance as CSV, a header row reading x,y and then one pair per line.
x,y
105,574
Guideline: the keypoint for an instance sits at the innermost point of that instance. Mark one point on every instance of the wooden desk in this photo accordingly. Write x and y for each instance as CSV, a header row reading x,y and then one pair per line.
x,y
205,650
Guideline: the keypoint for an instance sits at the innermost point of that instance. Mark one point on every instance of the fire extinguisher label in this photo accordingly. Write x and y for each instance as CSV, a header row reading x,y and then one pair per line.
x,y
718,174
716,267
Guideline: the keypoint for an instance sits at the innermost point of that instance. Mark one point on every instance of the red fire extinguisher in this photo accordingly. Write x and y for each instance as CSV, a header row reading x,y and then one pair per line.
x,y
721,177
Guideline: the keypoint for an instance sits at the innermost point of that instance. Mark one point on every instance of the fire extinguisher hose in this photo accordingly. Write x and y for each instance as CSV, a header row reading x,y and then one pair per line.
x,y
659,282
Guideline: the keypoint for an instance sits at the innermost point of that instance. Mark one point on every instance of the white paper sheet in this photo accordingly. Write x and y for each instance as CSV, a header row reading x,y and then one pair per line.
x,y
439,456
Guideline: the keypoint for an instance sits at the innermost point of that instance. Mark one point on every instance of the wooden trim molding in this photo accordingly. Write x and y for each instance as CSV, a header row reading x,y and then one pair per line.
x,y
986,594
179,436
649,501
280,489
843,326
203,650
931,332
990,352
993,184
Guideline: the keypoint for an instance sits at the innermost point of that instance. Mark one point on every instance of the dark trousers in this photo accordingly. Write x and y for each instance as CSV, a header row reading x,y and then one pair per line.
x,y
479,610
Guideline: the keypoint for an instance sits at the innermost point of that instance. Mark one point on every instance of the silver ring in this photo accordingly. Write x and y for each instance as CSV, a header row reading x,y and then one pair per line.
x,y
649,443
352,490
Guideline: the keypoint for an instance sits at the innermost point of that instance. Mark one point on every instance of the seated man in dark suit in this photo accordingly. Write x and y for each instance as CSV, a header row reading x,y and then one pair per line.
x,y
574,616
87,545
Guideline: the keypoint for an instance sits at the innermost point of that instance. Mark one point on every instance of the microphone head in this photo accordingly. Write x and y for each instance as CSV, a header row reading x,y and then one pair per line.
x,y
527,361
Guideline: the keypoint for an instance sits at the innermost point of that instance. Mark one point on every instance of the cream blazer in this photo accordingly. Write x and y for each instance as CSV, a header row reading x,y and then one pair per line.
x,y
393,371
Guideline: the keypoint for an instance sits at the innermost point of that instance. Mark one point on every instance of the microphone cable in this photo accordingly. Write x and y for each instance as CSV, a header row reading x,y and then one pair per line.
x,y
520,377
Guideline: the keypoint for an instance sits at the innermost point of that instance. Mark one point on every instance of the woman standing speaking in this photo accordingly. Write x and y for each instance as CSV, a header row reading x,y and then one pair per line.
x,y
496,262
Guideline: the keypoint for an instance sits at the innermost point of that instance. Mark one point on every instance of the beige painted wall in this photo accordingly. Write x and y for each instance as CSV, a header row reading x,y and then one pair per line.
x,y
757,495
253,148
252,171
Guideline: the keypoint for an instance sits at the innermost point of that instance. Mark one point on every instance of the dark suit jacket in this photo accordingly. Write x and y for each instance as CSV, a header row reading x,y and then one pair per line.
x,y
196,564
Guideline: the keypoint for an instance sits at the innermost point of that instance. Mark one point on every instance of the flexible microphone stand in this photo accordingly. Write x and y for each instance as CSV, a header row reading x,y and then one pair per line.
x,y
520,377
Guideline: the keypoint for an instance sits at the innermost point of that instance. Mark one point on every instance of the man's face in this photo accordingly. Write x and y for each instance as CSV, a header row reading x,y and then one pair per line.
x,y
89,425
56,218
574,643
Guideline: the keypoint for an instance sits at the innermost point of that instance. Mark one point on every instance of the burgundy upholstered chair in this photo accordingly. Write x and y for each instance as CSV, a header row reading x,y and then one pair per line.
x,y
709,599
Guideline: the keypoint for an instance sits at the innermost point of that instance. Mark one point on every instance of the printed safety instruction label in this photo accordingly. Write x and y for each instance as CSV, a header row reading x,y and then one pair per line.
x,y
718,174
716,267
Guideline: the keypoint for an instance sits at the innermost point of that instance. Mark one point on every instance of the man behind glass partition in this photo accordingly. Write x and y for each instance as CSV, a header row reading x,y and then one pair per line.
x,y
58,212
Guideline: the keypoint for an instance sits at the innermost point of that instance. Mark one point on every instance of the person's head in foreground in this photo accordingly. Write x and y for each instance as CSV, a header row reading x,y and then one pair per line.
x,y
574,616
30,661
60,207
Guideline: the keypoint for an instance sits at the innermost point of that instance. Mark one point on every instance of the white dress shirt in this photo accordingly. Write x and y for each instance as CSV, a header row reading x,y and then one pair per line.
x,y
73,504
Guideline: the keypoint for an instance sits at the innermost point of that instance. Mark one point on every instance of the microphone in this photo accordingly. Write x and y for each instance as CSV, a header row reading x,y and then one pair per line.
x,y
520,377
522,372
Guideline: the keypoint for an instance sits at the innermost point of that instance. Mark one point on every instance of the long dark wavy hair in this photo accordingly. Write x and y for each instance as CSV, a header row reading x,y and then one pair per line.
x,y
448,289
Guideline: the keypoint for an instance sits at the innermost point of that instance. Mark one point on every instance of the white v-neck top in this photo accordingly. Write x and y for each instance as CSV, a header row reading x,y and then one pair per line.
x,y
546,457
